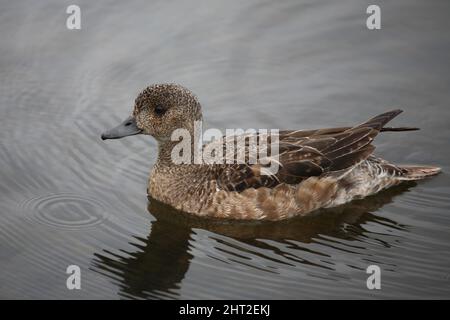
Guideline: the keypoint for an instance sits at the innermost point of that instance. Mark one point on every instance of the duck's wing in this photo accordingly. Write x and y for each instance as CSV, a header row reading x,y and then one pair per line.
x,y
303,154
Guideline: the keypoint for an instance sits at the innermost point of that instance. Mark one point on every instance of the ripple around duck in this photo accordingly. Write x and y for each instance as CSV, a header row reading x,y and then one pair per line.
x,y
65,211
426,199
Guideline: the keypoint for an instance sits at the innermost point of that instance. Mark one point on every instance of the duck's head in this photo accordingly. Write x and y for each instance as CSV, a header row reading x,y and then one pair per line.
x,y
158,111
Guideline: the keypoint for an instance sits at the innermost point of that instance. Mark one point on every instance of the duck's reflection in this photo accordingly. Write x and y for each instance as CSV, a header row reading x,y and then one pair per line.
x,y
163,258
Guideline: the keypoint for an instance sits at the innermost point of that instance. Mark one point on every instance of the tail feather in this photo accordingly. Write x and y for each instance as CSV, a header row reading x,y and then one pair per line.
x,y
399,129
407,172
380,120
412,172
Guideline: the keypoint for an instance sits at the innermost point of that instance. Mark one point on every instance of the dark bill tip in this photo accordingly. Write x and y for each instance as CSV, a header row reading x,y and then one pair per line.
x,y
126,128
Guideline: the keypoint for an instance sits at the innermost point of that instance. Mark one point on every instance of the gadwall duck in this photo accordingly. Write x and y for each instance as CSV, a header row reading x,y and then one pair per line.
x,y
317,168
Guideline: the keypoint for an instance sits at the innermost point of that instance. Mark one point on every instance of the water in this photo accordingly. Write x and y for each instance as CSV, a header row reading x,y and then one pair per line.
x,y
66,197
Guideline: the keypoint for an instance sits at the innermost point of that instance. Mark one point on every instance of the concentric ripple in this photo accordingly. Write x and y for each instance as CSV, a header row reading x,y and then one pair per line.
x,y
65,211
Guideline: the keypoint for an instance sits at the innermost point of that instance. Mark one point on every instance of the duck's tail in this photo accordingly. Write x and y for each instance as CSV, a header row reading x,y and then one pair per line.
x,y
412,172
378,122
408,172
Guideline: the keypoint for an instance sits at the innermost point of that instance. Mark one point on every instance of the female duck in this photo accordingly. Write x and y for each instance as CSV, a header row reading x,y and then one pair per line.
x,y
317,168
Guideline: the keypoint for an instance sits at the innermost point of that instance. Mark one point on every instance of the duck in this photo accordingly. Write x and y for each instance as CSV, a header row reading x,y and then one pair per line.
x,y
316,169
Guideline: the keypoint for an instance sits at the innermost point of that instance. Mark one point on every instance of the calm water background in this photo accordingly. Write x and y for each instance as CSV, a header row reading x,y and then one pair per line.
x,y
66,197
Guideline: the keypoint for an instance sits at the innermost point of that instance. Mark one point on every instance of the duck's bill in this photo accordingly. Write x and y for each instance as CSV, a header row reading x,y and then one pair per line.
x,y
125,129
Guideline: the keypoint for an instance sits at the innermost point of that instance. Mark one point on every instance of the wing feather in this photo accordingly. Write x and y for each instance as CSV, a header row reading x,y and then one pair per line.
x,y
306,153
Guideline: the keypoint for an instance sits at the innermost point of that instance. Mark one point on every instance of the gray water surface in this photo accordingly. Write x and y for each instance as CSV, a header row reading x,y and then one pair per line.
x,y
68,198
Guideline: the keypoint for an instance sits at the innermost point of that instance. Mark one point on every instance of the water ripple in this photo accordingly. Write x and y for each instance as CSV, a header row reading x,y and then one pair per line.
x,y
67,211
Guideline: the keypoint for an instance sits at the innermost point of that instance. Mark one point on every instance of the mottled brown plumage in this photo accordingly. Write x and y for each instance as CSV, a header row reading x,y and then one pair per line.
x,y
318,168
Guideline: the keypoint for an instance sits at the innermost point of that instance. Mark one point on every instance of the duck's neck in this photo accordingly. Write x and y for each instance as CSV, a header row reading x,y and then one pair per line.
x,y
165,153
170,182
184,149
170,154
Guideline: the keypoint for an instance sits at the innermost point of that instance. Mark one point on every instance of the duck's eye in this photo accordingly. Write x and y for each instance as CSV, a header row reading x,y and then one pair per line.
x,y
159,110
